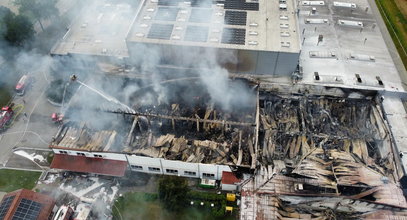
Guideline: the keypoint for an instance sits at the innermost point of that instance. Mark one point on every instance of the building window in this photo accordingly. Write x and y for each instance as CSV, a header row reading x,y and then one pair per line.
x,y
208,175
190,173
98,155
171,171
80,154
136,167
154,169
63,152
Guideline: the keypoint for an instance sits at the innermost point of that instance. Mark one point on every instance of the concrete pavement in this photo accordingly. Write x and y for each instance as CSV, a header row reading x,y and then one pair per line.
x,y
35,130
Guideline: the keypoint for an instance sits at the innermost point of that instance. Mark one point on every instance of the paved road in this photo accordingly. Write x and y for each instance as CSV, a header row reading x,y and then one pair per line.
x,y
389,42
35,130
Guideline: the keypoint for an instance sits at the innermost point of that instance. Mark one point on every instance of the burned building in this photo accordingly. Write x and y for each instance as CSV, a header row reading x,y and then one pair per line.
x,y
209,98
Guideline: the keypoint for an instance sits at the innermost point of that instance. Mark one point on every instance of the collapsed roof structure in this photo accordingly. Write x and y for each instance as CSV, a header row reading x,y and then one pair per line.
x,y
317,147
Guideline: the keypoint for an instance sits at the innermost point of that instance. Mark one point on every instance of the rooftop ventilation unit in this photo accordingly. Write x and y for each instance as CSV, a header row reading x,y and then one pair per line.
x,y
359,80
285,26
379,80
285,34
285,44
283,17
322,54
316,75
345,4
350,23
283,6
316,21
311,3
362,57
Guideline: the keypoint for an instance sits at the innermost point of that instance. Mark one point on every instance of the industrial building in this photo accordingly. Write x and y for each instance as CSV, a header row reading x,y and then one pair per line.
x,y
315,133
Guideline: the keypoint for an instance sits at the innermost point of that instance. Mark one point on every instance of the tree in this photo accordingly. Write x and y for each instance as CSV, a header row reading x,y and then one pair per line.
x,y
172,191
37,9
15,29
19,29
4,13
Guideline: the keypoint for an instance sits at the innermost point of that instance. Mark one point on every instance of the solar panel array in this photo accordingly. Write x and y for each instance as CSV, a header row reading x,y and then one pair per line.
x,y
5,205
160,31
27,210
166,14
235,17
241,5
234,36
201,15
196,33
168,2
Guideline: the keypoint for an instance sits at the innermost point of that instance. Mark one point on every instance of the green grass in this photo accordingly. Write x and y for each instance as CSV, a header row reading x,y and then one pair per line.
x,y
138,205
11,180
5,95
396,23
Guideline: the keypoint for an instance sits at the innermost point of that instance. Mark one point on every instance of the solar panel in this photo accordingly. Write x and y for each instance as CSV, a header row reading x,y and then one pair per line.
x,y
201,3
166,14
5,205
234,36
169,2
27,210
196,33
241,5
201,15
235,17
160,31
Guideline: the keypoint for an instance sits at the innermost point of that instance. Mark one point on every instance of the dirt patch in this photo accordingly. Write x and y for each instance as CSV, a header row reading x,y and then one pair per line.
x,y
402,5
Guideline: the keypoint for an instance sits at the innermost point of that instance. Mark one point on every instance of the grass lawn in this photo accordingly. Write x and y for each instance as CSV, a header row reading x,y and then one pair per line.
x,y
11,180
138,205
5,95
396,23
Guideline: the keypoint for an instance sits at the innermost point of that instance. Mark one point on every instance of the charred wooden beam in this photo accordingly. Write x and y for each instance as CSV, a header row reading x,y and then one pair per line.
x,y
171,117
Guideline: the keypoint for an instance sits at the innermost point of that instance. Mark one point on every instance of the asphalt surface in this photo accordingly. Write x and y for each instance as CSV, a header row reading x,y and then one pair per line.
x,y
35,130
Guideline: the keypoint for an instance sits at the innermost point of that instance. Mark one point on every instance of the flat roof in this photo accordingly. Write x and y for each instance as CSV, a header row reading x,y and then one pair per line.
x,y
100,29
218,24
339,42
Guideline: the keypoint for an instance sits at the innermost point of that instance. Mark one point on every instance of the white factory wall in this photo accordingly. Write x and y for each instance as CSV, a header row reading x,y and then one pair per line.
x,y
157,165
229,187
173,167
248,61
105,155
